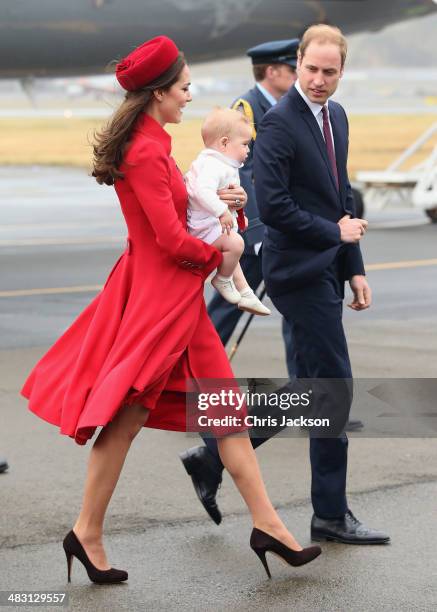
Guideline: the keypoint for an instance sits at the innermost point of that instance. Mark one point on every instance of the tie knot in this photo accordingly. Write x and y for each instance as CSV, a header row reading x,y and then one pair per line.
x,y
324,112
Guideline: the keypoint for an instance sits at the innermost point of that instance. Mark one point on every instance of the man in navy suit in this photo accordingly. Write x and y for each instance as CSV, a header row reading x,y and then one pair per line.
x,y
310,248
274,70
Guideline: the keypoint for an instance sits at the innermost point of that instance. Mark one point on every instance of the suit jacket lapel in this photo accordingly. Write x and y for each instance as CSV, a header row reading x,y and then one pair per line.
x,y
315,130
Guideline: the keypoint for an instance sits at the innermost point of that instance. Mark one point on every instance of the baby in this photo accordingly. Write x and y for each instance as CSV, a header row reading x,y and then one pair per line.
x,y
226,134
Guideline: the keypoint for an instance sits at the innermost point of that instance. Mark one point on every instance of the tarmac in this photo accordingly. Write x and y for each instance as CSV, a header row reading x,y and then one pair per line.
x,y
60,235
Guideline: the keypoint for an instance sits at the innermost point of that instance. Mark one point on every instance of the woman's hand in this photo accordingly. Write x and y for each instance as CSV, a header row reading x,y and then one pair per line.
x,y
234,196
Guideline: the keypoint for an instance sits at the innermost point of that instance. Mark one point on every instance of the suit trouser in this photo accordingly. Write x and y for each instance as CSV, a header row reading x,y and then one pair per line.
x,y
314,313
225,316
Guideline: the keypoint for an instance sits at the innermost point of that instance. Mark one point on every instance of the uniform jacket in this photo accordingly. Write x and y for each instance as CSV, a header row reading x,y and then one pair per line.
x,y
259,106
297,197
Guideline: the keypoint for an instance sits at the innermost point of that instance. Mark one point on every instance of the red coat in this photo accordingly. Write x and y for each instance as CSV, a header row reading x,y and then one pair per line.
x,y
148,329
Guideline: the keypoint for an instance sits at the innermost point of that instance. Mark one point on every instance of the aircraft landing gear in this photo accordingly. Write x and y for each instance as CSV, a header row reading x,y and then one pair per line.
x,y
432,214
359,203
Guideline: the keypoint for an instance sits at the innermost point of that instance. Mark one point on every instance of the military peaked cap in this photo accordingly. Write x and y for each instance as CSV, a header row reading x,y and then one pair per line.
x,y
275,52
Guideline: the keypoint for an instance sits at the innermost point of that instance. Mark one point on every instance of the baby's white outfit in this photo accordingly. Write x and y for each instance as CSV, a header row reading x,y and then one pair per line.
x,y
210,171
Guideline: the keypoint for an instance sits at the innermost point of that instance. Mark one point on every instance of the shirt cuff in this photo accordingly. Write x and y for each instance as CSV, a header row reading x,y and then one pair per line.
x,y
256,247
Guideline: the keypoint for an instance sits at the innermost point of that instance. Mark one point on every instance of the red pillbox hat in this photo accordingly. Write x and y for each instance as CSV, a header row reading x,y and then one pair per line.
x,y
146,63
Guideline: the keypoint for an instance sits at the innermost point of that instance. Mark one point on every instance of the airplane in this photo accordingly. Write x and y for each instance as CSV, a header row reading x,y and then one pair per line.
x,y
63,38
60,37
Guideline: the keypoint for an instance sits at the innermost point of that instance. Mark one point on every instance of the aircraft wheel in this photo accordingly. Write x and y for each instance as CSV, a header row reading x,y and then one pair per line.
x,y
432,214
359,203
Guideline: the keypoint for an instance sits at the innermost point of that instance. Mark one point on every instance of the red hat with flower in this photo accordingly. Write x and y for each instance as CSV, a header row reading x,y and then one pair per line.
x,y
146,63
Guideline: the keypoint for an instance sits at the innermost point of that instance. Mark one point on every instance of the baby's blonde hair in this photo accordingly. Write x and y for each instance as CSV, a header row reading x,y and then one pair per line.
x,y
222,122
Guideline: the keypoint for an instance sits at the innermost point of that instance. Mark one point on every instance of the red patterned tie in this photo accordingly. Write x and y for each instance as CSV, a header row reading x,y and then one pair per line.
x,y
329,143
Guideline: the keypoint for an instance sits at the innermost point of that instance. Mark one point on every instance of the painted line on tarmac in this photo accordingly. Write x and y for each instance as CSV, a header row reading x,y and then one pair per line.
x,y
50,291
399,265
67,241
383,225
57,226
394,265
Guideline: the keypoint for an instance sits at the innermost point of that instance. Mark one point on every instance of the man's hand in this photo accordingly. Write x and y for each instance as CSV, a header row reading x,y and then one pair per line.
x,y
362,293
234,196
352,230
227,222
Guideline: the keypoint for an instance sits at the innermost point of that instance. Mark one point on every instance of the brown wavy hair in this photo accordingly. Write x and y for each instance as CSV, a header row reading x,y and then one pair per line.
x,y
111,141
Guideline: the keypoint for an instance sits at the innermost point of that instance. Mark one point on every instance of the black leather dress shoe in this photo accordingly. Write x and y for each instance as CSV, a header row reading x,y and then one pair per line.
x,y
347,530
206,475
354,425
3,465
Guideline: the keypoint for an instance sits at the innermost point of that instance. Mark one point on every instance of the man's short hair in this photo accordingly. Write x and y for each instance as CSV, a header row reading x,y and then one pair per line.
x,y
222,122
259,70
323,33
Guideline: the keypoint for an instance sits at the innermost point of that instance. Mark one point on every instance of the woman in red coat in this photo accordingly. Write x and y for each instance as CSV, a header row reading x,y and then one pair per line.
x,y
124,363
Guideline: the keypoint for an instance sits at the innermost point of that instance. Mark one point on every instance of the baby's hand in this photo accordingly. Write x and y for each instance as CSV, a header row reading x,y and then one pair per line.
x,y
227,222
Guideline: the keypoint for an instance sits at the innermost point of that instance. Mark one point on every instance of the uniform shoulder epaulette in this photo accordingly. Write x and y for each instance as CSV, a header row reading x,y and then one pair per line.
x,y
247,110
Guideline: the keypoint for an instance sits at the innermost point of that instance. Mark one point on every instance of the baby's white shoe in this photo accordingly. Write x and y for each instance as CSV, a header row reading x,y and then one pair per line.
x,y
250,303
225,286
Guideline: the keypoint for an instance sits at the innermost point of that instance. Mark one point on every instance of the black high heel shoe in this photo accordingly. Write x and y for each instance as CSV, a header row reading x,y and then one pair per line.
x,y
73,548
261,543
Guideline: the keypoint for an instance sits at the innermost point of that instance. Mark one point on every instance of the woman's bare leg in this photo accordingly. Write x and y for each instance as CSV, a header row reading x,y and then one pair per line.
x,y
105,463
238,457
232,247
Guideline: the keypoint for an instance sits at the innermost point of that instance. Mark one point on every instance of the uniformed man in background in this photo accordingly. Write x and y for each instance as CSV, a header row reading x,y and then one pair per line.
x,y
274,69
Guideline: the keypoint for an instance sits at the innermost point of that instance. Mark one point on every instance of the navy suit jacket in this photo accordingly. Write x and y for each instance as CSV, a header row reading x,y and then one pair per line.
x,y
297,197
